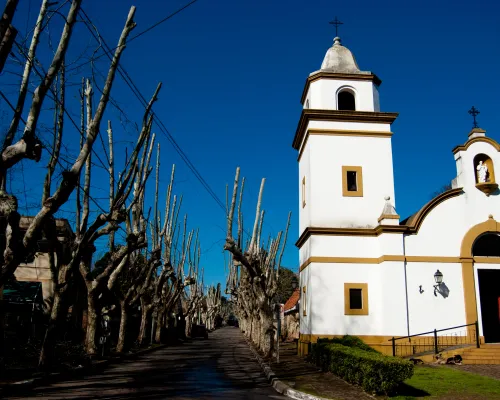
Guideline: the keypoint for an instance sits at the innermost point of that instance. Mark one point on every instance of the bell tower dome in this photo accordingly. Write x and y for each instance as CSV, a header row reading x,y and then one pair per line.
x,y
340,84
344,146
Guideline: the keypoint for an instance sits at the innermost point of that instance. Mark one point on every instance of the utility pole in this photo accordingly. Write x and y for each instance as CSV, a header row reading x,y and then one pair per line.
x,y
7,32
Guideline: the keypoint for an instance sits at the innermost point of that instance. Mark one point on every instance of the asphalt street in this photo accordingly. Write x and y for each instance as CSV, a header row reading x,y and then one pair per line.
x,y
221,367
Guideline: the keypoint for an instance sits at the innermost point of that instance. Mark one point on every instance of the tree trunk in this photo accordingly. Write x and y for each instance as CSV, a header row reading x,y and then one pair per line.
x,y
57,314
159,326
90,339
145,311
120,347
253,328
266,335
189,325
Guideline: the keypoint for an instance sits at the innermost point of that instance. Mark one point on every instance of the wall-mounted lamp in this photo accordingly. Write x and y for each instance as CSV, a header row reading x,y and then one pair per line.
x,y
295,282
438,277
420,290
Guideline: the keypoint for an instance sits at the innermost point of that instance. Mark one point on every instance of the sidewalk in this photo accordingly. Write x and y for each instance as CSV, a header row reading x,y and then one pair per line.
x,y
305,377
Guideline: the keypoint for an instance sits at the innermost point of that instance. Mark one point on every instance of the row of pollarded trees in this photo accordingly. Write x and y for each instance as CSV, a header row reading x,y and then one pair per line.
x,y
152,260
254,270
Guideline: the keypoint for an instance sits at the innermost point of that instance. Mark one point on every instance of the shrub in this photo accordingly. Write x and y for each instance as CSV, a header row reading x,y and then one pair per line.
x,y
349,341
373,371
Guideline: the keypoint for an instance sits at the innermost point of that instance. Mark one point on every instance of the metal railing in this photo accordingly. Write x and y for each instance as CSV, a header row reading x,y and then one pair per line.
x,y
425,343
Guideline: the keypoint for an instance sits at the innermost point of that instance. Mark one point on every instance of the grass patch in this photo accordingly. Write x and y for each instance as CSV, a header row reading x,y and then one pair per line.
x,y
440,382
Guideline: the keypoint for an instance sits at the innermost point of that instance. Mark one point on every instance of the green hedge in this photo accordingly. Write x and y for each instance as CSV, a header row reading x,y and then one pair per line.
x,y
373,371
349,341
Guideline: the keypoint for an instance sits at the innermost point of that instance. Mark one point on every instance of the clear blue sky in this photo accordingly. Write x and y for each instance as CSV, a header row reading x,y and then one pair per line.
x,y
233,73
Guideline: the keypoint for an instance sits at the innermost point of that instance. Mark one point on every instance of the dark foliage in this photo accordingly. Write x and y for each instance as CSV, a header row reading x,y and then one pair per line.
x,y
285,289
374,372
349,341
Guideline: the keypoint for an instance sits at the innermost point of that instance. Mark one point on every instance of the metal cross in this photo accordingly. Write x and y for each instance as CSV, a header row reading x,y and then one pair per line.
x,y
336,22
474,112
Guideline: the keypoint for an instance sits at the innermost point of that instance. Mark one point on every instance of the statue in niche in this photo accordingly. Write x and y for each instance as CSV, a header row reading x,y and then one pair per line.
x,y
482,172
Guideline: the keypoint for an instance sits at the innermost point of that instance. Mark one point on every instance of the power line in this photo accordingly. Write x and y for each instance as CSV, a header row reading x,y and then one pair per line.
x,y
138,35
55,98
135,90
162,20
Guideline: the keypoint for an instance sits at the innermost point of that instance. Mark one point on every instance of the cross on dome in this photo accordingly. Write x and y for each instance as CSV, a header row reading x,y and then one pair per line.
x,y
336,22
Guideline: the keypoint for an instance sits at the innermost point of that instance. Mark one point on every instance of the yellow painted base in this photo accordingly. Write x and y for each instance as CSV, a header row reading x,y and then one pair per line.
x,y
383,344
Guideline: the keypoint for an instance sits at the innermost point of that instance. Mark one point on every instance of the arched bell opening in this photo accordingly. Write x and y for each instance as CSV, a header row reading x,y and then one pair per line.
x,y
346,100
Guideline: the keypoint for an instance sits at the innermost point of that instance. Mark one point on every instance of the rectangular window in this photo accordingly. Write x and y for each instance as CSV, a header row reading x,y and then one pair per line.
x,y
352,181
356,298
303,192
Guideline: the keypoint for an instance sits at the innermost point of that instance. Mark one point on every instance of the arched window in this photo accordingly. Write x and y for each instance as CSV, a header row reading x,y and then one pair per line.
x,y
487,245
346,100
483,169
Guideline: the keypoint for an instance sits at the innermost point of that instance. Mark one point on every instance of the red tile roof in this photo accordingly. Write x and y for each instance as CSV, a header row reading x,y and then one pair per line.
x,y
293,300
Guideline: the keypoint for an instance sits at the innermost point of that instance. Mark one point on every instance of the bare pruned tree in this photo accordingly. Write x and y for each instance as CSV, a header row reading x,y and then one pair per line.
x,y
213,300
16,247
193,299
255,283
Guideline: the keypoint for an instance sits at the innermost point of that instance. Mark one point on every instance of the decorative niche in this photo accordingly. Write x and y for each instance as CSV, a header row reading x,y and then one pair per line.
x,y
484,172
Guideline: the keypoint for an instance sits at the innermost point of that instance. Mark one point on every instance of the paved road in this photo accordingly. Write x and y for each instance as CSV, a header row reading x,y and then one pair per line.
x,y
221,367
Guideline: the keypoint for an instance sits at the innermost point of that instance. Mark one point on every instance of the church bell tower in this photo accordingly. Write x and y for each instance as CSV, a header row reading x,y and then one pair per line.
x,y
344,147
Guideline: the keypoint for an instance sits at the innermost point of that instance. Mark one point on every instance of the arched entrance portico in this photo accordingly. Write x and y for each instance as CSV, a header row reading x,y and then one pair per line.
x,y
478,243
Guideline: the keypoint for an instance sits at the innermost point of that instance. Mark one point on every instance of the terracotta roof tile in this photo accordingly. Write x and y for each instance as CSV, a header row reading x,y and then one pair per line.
x,y
293,300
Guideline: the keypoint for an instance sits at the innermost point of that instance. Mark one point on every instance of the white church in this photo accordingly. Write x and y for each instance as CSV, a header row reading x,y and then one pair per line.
x,y
363,270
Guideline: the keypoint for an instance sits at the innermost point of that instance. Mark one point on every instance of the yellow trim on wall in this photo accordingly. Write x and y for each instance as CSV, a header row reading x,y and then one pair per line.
x,y
475,140
348,132
412,225
470,237
311,114
340,132
388,216
359,181
380,343
384,258
364,299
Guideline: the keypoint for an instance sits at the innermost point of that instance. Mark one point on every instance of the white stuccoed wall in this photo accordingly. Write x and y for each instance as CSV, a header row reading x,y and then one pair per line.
x,y
440,234
442,230
305,171
344,246
386,299
327,156
305,321
428,312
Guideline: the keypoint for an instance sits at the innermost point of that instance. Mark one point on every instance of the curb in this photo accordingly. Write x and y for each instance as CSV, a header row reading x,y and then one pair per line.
x,y
28,384
278,385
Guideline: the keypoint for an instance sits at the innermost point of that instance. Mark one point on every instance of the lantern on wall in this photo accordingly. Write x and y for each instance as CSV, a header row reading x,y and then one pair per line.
x,y
438,277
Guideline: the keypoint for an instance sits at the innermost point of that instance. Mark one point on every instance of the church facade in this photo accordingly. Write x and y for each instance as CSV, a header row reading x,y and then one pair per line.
x,y
363,270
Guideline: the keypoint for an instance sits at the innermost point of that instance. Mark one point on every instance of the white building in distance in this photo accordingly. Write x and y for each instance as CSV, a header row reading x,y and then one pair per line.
x,y
363,271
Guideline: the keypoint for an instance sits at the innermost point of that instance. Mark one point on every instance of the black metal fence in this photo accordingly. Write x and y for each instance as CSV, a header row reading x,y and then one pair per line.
x,y
436,341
